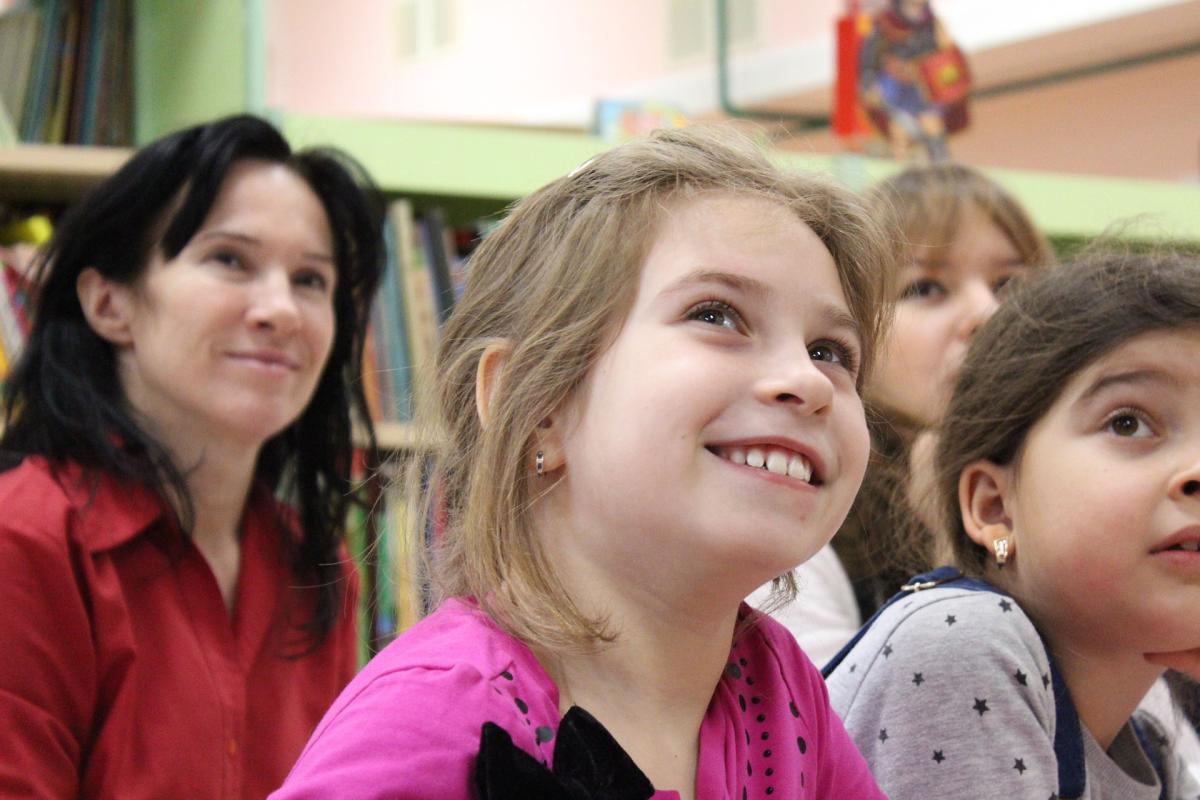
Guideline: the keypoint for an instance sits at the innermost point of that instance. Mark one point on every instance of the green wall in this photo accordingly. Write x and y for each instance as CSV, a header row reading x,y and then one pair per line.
x,y
190,62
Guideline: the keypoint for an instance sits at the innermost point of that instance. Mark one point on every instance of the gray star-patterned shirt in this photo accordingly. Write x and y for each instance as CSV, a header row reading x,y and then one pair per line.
x,y
949,695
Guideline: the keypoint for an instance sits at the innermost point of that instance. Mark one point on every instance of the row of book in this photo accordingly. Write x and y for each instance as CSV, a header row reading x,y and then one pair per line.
x,y
427,260
66,71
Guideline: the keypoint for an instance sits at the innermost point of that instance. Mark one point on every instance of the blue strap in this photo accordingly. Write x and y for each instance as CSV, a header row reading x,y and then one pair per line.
x,y
926,580
1068,735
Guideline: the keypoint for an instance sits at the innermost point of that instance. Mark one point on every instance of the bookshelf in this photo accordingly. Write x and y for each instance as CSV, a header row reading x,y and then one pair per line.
x,y
55,173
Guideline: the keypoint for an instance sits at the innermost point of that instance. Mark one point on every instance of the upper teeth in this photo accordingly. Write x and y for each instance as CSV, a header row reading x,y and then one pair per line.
x,y
1193,546
773,459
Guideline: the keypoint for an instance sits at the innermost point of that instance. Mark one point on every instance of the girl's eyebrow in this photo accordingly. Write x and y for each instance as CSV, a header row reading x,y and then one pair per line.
x,y
742,283
939,264
255,242
1132,377
838,317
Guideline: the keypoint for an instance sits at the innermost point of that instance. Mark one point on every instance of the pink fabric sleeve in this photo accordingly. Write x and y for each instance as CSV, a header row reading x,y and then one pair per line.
x,y
408,734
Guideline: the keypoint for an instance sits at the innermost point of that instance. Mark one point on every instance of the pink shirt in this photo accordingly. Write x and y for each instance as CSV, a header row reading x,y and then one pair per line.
x,y
408,725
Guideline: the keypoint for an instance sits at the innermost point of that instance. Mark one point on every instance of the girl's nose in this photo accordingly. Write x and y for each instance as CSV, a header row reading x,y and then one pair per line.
x,y
1185,485
798,383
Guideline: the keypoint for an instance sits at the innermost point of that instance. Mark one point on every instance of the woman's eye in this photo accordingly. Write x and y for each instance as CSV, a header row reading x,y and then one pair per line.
x,y
227,258
1003,285
716,313
1128,425
922,289
312,280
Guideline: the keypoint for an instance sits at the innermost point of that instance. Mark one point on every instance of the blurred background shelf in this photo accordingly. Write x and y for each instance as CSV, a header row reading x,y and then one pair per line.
x,y
55,173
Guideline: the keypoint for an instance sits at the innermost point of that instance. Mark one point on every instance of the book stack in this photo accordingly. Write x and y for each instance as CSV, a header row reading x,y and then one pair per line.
x,y
427,267
66,72
426,270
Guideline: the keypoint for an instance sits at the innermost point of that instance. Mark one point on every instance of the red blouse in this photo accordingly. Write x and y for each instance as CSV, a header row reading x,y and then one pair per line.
x,y
122,674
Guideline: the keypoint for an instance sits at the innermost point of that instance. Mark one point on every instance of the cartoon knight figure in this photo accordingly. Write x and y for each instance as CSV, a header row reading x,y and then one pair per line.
x,y
913,80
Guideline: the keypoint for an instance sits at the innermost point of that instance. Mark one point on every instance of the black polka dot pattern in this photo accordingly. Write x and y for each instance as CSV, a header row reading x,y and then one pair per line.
x,y
506,683
759,727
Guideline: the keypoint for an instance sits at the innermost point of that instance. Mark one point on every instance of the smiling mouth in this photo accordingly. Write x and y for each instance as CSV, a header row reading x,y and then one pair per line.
x,y
770,458
276,362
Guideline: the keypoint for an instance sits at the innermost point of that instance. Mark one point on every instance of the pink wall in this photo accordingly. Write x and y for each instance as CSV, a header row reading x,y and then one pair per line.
x,y
532,53
789,21
501,57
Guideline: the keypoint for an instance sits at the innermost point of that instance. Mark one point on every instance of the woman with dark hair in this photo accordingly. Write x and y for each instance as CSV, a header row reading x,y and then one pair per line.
x,y
179,607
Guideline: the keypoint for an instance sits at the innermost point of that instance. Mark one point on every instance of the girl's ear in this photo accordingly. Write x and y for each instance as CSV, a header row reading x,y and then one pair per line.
x,y
487,377
548,439
107,306
983,499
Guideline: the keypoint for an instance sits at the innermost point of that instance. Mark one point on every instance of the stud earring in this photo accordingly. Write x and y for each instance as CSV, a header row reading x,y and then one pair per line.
x,y
539,463
1003,545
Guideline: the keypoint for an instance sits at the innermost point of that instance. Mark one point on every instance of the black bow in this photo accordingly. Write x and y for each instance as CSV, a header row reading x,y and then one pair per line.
x,y
588,765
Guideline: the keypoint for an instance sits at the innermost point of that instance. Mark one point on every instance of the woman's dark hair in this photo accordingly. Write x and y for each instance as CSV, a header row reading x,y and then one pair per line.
x,y
1047,330
63,399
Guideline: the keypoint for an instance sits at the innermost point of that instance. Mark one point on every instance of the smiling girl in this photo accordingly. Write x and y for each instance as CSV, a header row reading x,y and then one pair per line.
x,y
1069,464
178,613
648,404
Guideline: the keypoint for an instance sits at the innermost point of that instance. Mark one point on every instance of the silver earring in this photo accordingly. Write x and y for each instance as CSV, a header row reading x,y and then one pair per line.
x,y
539,463
1003,549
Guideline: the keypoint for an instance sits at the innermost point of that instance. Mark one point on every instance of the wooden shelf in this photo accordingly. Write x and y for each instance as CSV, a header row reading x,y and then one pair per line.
x,y
55,173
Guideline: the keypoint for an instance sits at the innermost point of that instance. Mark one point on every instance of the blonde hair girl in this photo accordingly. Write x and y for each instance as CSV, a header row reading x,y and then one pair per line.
x,y
647,404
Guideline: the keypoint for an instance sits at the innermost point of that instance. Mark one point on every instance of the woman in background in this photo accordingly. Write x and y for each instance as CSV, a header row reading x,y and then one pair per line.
x,y
179,608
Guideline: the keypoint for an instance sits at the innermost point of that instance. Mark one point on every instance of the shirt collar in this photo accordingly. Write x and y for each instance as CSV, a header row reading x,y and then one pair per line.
x,y
112,511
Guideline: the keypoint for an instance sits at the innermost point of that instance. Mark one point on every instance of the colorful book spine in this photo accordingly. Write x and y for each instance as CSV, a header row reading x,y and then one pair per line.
x,y
420,311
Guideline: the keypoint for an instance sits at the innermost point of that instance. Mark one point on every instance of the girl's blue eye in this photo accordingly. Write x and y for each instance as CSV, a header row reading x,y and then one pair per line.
x,y
714,312
923,289
834,353
1128,425
824,352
